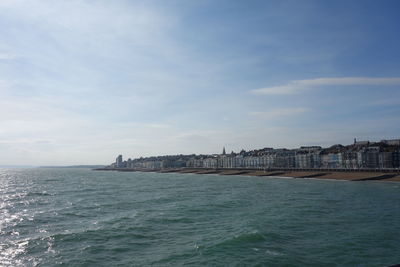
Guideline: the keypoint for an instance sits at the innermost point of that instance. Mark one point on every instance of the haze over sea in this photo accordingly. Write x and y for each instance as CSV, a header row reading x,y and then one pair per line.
x,y
79,217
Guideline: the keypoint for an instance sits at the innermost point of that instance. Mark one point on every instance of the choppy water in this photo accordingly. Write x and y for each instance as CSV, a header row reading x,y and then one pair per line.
x,y
79,217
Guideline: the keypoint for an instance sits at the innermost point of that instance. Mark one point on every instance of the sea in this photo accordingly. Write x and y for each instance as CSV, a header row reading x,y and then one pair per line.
x,y
81,217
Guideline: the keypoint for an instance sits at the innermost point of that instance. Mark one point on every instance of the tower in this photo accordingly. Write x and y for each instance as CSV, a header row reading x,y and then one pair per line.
x,y
118,161
223,151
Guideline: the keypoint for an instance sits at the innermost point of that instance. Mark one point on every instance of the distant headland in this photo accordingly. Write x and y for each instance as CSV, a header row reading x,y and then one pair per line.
x,y
75,166
362,160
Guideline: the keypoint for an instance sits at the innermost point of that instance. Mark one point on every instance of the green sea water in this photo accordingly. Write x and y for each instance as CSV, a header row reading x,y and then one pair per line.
x,y
79,217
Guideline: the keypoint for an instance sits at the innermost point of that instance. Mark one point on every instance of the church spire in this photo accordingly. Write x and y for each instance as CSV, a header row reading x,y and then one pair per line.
x,y
223,151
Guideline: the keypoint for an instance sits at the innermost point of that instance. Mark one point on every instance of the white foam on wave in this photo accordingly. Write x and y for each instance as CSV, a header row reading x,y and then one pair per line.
x,y
273,253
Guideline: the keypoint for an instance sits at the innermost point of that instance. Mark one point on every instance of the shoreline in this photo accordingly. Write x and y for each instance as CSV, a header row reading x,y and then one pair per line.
x,y
292,173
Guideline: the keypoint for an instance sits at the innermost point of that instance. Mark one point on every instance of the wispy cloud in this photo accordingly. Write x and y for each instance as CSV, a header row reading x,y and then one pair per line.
x,y
385,102
6,56
277,113
296,86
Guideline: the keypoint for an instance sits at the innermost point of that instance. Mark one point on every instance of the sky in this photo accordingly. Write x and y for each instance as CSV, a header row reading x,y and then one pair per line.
x,y
82,81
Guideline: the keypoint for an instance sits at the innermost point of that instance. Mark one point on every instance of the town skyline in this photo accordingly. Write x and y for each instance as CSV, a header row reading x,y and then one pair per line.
x,y
82,81
383,155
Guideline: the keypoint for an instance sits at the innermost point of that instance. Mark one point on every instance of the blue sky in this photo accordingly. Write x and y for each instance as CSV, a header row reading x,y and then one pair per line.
x,y
83,81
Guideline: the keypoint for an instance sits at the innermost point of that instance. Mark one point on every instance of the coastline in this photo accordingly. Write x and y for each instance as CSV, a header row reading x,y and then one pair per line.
x,y
315,174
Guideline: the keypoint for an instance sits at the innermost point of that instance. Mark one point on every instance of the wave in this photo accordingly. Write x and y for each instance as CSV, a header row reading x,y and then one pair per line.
x,y
244,240
34,194
164,220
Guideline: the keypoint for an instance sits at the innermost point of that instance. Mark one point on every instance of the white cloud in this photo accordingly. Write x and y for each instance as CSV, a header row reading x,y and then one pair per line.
x,y
281,112
297,86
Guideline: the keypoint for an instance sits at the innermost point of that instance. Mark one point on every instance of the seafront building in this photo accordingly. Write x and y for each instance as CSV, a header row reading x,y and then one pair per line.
x,y
359,155
119,163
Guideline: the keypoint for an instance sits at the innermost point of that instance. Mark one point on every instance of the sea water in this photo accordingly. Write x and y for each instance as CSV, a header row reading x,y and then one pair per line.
x,y
80,217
